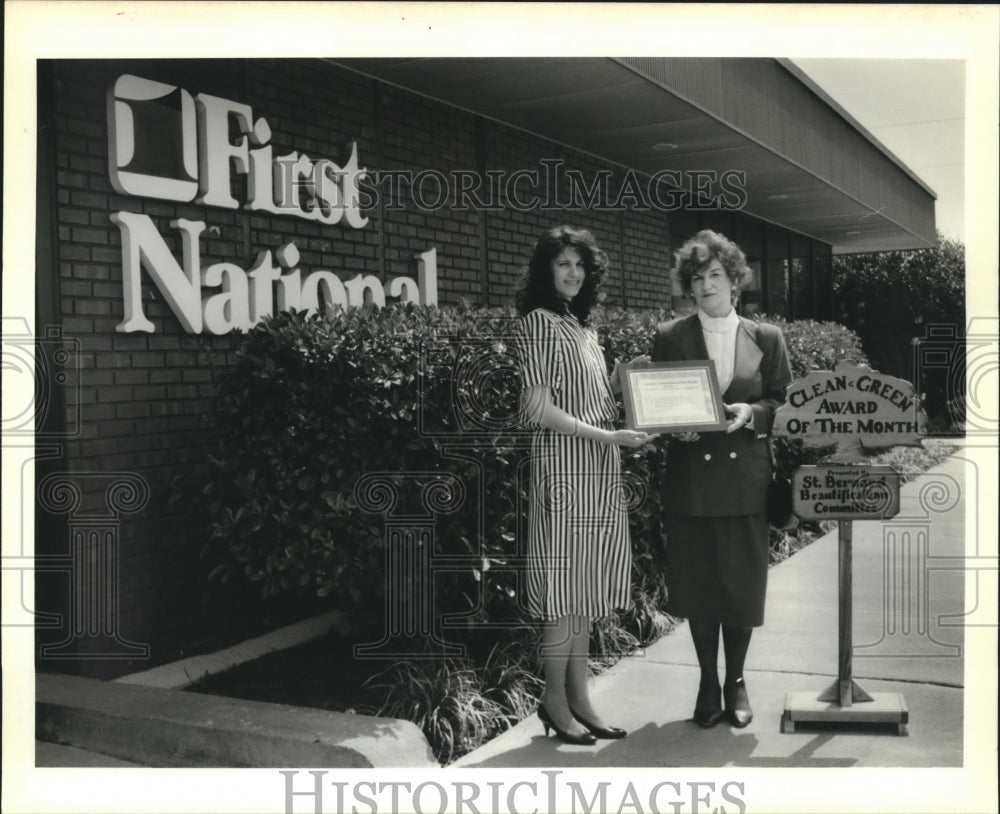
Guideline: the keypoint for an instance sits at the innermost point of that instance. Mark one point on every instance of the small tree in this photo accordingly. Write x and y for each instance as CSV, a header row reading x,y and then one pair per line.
x,y
888,298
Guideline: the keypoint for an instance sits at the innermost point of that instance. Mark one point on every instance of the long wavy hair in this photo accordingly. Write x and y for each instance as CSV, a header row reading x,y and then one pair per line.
x,y
537,287
700,250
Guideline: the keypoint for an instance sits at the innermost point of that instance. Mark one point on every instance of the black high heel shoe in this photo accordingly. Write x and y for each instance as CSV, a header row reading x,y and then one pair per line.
x,y
738,710
583,739
708,706
609,733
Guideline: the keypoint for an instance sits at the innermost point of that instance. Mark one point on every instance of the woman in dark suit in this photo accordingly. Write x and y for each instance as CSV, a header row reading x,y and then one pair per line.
x,y
716,482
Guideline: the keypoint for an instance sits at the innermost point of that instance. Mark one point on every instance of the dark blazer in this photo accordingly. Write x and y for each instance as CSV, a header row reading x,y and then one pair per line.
x,y
726,473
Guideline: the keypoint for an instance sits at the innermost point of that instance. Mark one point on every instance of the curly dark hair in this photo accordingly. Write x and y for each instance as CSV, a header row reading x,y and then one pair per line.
x,y
537,286
700,250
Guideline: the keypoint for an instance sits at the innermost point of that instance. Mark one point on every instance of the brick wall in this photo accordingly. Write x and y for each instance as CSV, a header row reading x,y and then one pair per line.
x,y
141,398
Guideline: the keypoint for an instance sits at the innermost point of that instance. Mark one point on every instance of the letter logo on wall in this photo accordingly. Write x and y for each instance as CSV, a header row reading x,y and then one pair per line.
x,y
155,118
168,144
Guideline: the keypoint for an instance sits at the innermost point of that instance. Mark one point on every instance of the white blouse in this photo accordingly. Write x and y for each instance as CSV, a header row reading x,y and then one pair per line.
x,y
720,340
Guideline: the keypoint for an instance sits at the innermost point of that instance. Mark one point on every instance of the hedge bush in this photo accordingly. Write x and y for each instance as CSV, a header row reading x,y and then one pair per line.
x,y
894,298
330,430
818,345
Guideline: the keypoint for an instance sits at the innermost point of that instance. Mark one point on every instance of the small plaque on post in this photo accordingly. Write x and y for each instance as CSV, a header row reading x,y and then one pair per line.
x,y
672,397
845,492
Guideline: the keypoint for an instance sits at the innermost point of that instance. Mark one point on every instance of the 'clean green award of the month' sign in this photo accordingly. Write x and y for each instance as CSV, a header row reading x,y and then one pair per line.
x,y
851,405
856,409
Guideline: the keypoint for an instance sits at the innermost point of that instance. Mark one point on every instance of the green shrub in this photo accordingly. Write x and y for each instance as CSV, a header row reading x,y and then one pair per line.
x,y
817,345
445,699
462,702
511,676
307,409
893,298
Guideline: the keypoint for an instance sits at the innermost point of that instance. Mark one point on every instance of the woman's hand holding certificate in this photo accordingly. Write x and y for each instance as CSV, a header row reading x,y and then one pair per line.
x,y
742,415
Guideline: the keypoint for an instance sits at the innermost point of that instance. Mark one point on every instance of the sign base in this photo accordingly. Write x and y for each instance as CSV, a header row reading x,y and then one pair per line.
x,y
806,707
844,692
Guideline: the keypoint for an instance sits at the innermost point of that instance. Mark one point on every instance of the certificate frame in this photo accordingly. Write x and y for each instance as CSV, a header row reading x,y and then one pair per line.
x,y
704,413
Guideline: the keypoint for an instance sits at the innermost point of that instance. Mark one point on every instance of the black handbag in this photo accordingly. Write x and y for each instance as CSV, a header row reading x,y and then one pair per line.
x,y
779,496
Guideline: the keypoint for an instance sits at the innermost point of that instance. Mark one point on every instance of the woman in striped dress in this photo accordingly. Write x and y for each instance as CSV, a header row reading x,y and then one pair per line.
x,y
578,539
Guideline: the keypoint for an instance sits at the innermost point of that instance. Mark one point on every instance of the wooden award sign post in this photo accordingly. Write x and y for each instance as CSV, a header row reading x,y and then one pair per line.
x,y
855,408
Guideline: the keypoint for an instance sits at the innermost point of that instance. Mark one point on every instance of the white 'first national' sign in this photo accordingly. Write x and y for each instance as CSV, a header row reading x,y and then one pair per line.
x,y
165,143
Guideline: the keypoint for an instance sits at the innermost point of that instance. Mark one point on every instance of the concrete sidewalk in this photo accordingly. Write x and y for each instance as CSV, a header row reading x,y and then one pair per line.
x,y
908,606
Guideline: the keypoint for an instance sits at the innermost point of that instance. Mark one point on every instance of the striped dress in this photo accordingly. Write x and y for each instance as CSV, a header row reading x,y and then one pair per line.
x,y
579,554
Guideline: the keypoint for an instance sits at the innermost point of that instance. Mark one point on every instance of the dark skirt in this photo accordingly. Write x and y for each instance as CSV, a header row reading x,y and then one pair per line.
x,y
717,568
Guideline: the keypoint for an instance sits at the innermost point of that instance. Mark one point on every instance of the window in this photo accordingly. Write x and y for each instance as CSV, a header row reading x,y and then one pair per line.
x,y
776,272
750,237
822,281
800,267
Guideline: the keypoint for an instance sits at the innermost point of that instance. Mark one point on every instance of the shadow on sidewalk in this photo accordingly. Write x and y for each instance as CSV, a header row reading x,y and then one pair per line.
x,y
673,744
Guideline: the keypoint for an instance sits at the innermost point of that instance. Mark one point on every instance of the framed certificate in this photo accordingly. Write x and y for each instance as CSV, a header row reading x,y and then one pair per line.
x,y
672,397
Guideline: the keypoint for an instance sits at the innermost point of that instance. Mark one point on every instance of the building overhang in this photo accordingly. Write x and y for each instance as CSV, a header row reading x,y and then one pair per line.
x,y
808,165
